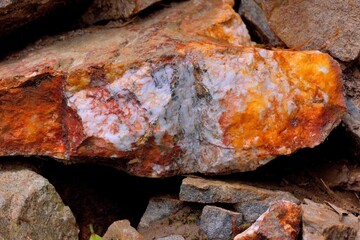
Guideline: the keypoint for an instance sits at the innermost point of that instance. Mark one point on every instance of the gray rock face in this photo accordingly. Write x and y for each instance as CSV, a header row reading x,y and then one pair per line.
x,y
30,208
328,222
219,223
122,230
172,237
328,25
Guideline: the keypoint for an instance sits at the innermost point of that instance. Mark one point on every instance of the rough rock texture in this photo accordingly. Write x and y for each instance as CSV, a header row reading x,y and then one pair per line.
x,y
328,25
14,13
170,94
172,237
219,223
195,189
166,216
122,230
324,222
30,208
254,15
280,222
101,10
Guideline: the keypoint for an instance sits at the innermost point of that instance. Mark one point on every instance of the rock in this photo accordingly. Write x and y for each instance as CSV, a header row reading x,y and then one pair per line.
x,y
173,93
100,10
122,230
14,13
172,237
251,11
218,223
196,189
166,216
280,222
328,222
30,208
328,25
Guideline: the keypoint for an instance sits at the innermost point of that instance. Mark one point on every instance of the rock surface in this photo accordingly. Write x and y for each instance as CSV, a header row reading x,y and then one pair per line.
x,y
170,94
122,230
328,25
30,208
172,237
219,223
323,222
280,222
101,10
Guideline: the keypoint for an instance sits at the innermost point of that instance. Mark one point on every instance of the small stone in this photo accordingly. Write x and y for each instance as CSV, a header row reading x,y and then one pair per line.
x,y
280,222
321,221
172,237
122,230
30,208
196,189
219,223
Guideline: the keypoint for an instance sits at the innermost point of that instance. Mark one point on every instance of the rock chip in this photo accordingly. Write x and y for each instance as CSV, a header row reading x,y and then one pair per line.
x,y
100,10
172,237
323,222
219,223
280,222
169,94
328,25
122,230
30,208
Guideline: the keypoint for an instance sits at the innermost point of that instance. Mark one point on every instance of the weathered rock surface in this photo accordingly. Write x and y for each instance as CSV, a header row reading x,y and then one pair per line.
x,y
280,222
252,12
30,208
196,189
219,223
328,25
166,216
170,94
172,237
122,230
322,222
14,13
101,10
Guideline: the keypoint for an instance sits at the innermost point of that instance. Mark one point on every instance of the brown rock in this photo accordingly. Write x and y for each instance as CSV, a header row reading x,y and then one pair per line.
x,y
30,208
328,25
101,10
280,222
328,222
170,94
122,230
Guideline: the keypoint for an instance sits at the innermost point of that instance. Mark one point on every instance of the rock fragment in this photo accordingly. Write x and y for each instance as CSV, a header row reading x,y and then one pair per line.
x,y
170,94
122,230
328,25
172,237
280,222
321,221
219,223
30,208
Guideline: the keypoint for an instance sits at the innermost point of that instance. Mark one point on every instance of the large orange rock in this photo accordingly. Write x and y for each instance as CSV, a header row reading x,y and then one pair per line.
x,y
180,91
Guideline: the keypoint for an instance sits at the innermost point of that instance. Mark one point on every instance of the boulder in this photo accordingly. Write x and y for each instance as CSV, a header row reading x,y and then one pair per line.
x,y
30,208
122,230
102,10
178,92
328,25
280,222
219,223
329,222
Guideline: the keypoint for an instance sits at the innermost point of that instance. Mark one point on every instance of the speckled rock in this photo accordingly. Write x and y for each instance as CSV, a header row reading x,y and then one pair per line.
x,y
122,230
172,237
178,92
219,223
30,208
280,222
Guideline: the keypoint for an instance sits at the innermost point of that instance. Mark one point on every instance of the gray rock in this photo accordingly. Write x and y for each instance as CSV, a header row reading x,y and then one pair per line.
x,y
195,189
172,237
30,208
329,222
328,25
219,223
122,230
250,10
